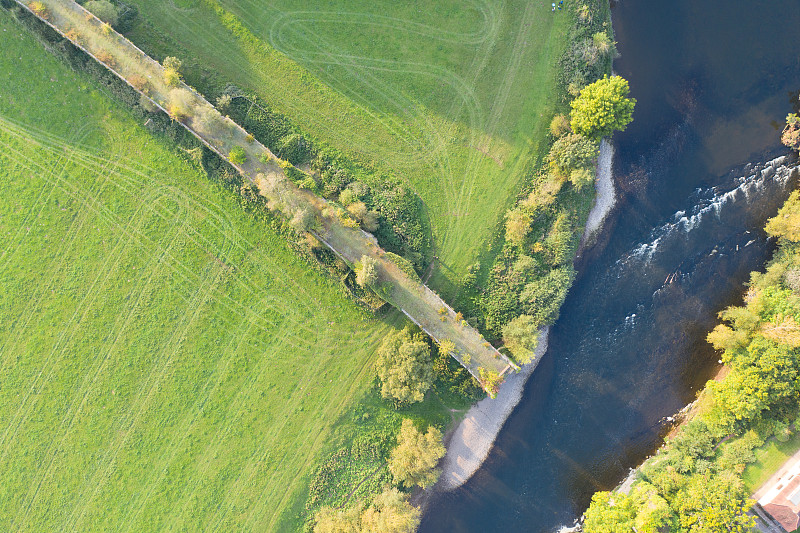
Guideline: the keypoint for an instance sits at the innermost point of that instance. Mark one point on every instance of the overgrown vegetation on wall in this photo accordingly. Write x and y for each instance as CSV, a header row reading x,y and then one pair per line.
x,y
695,483
381,204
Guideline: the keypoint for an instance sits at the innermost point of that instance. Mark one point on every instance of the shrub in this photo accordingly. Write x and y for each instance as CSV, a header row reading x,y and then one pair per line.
x,y
40,10
104,10
521,337
224,103
414,460
294,148
404,265
347,197
446,346
559,125
180,102
404,367
106,58
542,297
237,155
571,152
602,108
518,223
139,83
560,241
490,380
366,271
172,75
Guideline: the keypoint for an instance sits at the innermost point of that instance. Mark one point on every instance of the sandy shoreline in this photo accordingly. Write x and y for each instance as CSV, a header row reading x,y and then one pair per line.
x,y
606,196
474,437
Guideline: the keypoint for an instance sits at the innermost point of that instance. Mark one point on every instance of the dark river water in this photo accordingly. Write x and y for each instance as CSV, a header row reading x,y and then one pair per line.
x,y
713,80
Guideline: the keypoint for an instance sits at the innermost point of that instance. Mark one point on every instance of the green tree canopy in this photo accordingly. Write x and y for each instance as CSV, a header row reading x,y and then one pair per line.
x,y
521,336
602,108
414,460
404,367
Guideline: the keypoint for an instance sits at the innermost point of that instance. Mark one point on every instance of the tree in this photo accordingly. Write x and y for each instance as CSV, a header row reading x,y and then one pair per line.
x,y
366,271
172,75
390,512
358,210
414,460
602,108
331,520
347,197
237,155
404,367
302,220
521,336
786,223
714,503
643,510
609,513
104,10
490,380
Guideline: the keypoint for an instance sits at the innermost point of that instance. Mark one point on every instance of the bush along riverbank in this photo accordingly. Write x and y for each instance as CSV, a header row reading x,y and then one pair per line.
x,y
520,285
699,481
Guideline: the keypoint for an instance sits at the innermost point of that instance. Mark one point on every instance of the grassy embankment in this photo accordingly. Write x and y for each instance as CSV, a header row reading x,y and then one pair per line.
x,y
167,360
453,98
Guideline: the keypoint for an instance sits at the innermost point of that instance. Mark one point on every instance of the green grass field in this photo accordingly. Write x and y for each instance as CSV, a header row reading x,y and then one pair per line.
x,y
168,362
769,459
454,97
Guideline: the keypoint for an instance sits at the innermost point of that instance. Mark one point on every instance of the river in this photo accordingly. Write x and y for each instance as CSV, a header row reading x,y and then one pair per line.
x,y
713,79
